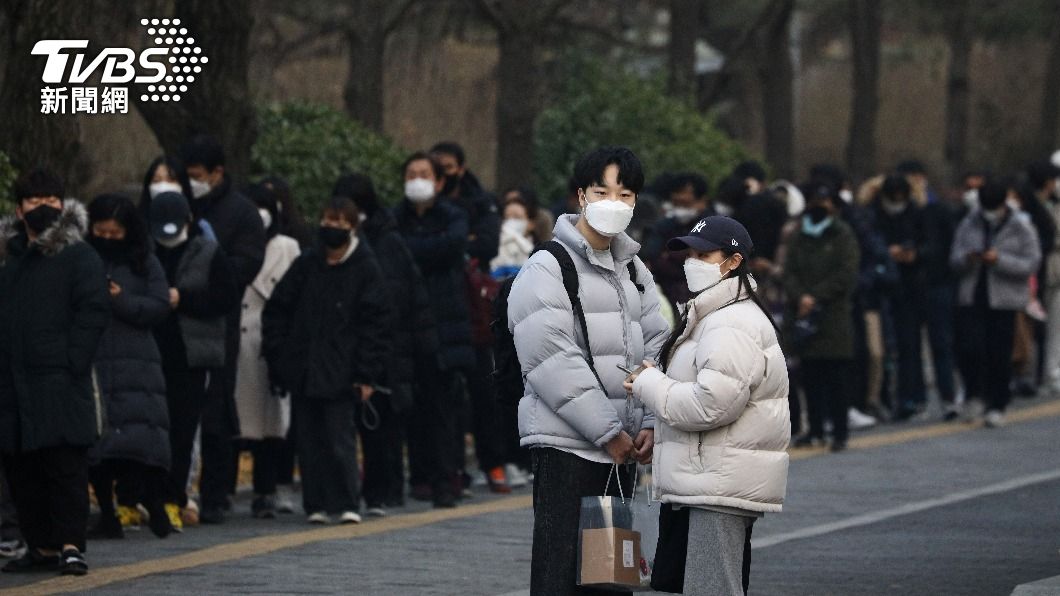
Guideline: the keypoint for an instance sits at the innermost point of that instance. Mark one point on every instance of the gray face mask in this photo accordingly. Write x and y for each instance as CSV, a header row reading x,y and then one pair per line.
x,y
199,188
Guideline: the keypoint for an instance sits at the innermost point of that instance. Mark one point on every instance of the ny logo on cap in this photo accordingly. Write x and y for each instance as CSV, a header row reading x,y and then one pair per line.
x,y
699,227
735,243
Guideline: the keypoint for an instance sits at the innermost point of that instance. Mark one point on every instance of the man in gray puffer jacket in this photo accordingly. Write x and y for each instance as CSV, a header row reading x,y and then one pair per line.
x,y
581,421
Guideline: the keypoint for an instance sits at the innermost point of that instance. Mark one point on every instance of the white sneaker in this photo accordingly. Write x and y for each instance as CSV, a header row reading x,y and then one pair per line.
x,y
284,499
12,549
994,419
857,420
516,477
349,517
375,512
319,518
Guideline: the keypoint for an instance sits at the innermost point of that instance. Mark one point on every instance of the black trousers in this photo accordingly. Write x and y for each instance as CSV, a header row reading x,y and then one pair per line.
x,y
144,484
382,433
8,515
268,458
50,490
219,429
827,386
986,338
561,479
433,451
485,412
327,454
186,395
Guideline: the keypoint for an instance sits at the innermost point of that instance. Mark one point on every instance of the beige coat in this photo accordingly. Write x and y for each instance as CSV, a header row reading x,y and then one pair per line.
x,y
721,409
261,414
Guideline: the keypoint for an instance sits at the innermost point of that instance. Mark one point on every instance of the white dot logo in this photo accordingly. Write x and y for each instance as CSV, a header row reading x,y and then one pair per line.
x,y
183,58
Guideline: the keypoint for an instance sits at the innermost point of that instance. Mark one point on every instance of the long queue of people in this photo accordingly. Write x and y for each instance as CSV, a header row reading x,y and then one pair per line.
x,y
142,340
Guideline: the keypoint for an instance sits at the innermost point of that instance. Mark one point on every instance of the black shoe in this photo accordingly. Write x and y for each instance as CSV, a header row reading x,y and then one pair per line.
x,y
444,500
838,446
806,441
32,562
73,563
421,492
263,508
1026,390
212,515
158,520
107,528
394,503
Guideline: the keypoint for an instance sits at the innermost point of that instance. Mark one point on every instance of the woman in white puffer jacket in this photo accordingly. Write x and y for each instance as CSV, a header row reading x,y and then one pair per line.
x,y
720,397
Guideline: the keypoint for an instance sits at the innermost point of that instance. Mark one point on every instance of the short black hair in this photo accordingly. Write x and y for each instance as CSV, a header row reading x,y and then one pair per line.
x,y
822,188
750,169
910,166
121,209
830,172
590,168
732,190
360,189
992,194
895,185
203,150
345,207
436,166
679,181
450,148
38,182
1041,172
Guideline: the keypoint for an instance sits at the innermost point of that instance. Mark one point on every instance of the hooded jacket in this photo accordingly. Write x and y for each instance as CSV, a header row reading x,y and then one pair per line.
x,y
54,306
722,423
563,405
1018,258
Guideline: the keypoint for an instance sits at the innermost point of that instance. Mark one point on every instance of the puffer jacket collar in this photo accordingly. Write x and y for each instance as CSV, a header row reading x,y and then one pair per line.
x,y
726,292
623,248
69,229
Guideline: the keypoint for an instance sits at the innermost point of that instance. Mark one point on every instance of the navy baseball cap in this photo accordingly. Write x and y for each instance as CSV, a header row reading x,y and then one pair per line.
x,y
168,213
716,232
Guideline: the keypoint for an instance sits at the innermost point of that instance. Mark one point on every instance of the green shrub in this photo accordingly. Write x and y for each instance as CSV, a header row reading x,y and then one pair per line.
x,y
7,179
311,145
599,105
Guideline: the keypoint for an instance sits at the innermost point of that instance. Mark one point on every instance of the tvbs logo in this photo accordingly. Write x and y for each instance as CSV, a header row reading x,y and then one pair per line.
x,y
166,68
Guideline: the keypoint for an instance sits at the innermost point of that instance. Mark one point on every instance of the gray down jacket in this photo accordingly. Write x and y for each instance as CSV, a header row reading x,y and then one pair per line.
x,y
563,405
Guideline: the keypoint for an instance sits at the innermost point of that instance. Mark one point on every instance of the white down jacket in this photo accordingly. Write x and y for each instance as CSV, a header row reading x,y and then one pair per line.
x,y
564,407
721,408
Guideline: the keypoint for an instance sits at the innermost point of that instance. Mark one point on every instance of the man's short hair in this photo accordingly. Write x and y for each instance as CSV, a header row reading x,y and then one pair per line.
x,y
436,166
204,150
590,168
750,169
38,182
344,207
450,148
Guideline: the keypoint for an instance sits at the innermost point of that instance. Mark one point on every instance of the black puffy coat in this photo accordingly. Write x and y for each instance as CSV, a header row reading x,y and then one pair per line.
x,y
328,327
54,307
129,368
414,332
438,240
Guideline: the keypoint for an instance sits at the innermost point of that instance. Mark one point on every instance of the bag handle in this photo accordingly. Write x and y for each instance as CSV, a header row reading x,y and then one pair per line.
x,y
621,495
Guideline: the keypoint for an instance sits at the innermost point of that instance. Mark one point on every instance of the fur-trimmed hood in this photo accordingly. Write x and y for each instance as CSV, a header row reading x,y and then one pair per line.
x,y
69,229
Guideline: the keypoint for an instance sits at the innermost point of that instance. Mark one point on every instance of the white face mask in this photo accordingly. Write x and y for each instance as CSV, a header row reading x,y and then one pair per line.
x,y
723,209
971,198
894,207
684,215
847,196
419,190
609,218
177,240
994,215
266,217
700,275
157,188
199,188
515,227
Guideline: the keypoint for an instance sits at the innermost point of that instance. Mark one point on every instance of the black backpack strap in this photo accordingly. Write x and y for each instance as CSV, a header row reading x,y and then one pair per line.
x,y
632,266
570,284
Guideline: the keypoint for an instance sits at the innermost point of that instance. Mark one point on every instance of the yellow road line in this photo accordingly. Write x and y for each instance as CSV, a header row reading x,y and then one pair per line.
x,y
259,546
262,545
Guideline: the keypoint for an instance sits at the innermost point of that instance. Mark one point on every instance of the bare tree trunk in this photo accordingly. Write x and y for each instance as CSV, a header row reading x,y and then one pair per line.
x,y
684,29
364,84
778,98
29,137
1051,88
518,104
865,20
218,102
958,90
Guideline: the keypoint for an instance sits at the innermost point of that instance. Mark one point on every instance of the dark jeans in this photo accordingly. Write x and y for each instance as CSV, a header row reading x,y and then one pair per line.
x,y
145,483
908,317
8,516
50,490
986,338
561,479
433,451
268,457
381,438
940,323
827,386
327,454
485,413
186,397
219,458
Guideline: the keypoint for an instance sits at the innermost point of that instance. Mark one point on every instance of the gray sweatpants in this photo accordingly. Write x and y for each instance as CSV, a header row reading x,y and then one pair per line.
x,y
718,562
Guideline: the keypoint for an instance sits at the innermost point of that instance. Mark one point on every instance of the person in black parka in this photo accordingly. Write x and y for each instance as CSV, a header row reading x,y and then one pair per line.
x,y
135,441
415,337
53,310
326,338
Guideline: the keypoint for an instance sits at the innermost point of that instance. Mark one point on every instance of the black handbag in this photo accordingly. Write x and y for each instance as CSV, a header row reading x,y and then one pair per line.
x,y
668,573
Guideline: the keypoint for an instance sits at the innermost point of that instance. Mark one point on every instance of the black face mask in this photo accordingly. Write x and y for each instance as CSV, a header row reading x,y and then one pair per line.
x,y
817,213
451,182
109,248
333,237
41,218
